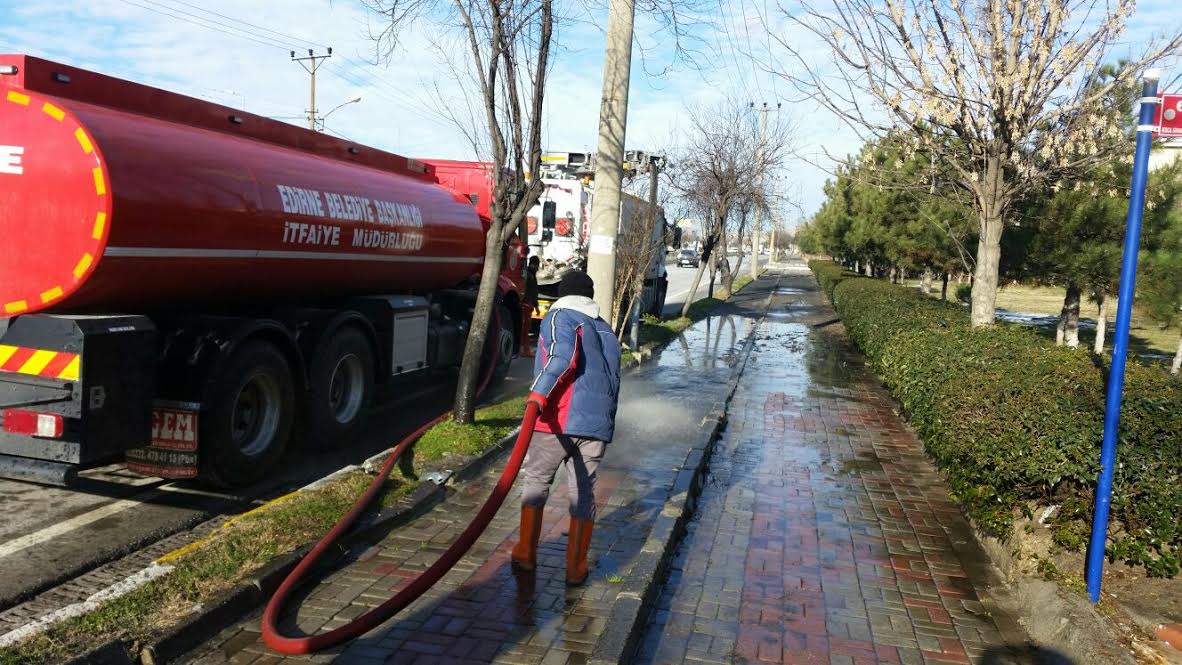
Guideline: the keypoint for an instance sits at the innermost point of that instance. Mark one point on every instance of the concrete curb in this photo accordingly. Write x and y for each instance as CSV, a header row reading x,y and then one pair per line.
x,y
621,637
209,619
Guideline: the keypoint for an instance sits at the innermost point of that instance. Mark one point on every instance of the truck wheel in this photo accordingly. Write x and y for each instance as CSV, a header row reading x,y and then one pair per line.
x,y
341,389
249,424
658,306
506,346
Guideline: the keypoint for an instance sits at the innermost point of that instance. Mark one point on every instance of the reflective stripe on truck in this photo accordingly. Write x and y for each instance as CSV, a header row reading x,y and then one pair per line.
x,y
40,362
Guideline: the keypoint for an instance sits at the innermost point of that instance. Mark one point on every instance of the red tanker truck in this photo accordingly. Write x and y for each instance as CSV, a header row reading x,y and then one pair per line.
x,y
190,286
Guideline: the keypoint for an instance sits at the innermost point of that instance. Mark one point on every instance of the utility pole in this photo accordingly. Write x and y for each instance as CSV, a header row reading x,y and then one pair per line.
x,y
609,160
654,171
316,61
761,165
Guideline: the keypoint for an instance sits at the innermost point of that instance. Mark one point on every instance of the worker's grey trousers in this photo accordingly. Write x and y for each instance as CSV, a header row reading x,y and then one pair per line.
x,y
581,456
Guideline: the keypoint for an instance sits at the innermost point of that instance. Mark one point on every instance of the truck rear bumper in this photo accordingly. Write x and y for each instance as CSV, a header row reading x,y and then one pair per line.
x,y
93,374
38,471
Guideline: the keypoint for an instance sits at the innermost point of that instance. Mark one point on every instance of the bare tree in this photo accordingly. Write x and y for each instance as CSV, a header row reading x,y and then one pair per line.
x,y
720,172
1008,90
508,44
635,252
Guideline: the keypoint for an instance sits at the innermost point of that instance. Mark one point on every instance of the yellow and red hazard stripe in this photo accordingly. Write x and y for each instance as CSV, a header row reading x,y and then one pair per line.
x,y
39,362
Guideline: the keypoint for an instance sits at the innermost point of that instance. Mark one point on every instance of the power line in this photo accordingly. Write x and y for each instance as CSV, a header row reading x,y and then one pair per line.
x,y
734,54
361,69
249,24
380,92
271,44
747,32
375,82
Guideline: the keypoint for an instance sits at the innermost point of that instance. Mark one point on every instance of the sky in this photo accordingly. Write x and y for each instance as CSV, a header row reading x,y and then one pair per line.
x,y
237,53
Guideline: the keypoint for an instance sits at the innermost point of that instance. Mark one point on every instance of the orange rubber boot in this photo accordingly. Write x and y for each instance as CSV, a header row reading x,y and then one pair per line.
x,y
578,544
525,553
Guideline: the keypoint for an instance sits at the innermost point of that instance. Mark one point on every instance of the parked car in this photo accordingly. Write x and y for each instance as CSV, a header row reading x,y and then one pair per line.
x,y
688,258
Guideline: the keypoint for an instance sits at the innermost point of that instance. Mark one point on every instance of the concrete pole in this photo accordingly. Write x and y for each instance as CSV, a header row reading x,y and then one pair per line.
x,y
654,170
609,160
315,62
760,164
312,102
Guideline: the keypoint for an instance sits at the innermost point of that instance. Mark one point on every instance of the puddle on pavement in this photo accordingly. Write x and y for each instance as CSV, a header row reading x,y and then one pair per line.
x,y
712,343
859,466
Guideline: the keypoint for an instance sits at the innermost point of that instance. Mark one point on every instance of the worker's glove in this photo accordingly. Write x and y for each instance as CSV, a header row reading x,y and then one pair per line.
x,y
537,398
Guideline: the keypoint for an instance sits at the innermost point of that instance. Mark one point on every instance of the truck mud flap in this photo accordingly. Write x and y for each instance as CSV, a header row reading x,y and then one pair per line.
x,y
172,452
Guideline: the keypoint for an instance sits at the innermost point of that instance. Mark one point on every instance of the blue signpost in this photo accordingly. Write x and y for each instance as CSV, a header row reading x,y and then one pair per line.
x,y
1120,347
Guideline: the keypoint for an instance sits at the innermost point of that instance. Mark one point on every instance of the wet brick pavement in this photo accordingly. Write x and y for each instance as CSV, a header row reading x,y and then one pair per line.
x,y
824,535
481,612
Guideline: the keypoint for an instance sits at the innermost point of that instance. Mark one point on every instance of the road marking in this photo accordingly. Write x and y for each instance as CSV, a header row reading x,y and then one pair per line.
x,y
61,528
120,588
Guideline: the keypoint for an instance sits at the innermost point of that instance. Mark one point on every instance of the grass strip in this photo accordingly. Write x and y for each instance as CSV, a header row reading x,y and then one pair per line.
x,y
493,423
232,553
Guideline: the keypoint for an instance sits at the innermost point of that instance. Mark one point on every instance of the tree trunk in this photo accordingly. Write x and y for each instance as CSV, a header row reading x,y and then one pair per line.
x,y
1101,323
984,281
1177,358
464,411
1067,333
736,271
754,253
925,283
689,299
857,267
869,270
944,286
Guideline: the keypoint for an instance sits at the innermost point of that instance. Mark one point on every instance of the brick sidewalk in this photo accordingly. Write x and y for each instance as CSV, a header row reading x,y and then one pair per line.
x,y
481,612
824,535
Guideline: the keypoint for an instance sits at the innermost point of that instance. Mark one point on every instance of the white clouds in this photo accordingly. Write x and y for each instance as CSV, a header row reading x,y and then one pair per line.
x,y
222,59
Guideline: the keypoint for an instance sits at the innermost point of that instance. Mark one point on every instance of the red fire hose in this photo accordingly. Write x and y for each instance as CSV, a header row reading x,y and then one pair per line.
x,y
426,579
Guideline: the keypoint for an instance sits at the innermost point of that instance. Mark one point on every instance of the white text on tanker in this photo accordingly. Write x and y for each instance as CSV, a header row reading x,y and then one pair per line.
x,y
346,207
10,159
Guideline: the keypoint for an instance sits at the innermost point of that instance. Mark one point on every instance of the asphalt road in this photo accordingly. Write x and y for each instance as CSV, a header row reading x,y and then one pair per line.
x,y
51,534
681,279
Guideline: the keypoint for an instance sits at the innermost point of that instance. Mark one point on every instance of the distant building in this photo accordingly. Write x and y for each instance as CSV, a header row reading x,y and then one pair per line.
x,y
1165,154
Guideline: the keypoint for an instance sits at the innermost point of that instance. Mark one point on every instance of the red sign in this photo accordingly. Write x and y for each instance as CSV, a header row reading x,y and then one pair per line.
x,y
1168,117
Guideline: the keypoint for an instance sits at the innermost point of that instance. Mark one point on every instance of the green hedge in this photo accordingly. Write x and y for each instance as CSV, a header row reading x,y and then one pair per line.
x,y
1015,422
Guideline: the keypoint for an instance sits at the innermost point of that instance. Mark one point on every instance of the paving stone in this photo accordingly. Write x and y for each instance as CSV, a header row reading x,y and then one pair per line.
x,y
481,612
838,518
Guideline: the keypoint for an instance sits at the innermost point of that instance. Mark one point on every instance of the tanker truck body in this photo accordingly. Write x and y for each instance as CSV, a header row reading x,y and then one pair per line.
x,y
194,287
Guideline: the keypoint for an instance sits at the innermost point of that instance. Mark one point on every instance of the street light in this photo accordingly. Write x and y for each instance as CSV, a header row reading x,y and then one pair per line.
x,y
338,107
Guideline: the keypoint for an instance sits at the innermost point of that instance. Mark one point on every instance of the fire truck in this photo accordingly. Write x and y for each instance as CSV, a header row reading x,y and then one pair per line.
x,y
559,229
196,289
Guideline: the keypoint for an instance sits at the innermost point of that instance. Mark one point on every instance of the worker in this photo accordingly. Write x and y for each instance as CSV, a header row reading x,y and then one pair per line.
x,y
529,304
576,388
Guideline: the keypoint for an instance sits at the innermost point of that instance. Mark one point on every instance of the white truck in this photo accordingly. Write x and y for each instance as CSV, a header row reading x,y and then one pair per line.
x,y
562,243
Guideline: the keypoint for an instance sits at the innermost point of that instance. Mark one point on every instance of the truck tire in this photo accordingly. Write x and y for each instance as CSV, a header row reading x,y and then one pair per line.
x,y
506,341
658,304
249,423
341,389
